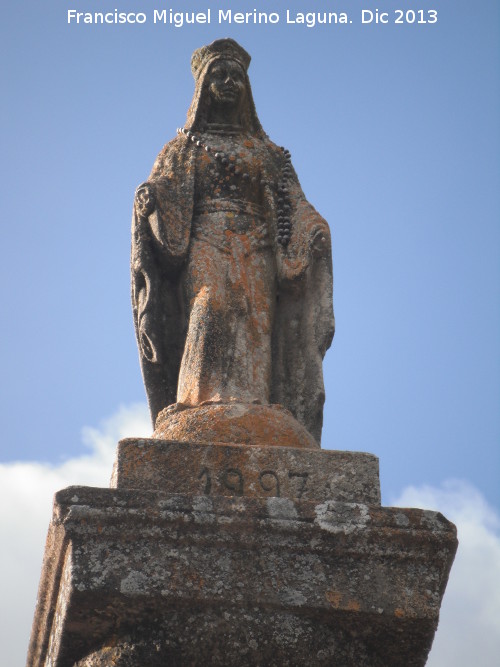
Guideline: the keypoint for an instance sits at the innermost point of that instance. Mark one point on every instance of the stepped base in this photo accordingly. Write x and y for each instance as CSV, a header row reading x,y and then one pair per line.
x,y
135,577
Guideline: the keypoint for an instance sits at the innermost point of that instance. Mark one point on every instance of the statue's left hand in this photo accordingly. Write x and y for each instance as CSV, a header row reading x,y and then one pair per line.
x,y
320,244
145,201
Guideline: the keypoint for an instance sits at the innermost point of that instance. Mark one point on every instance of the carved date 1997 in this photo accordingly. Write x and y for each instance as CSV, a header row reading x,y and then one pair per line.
x,y
232,480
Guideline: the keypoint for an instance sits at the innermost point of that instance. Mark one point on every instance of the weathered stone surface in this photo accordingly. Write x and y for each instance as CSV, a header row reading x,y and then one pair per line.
x,y
146,578
236,423
177,467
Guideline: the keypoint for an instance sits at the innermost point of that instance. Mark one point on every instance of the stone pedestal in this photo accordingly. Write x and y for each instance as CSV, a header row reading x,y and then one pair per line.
x,y
244,423
235,470
227,555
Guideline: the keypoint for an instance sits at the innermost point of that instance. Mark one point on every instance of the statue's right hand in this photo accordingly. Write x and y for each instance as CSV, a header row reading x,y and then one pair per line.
x,y
145,201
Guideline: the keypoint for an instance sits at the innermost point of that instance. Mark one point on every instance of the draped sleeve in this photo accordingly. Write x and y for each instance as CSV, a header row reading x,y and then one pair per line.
x,y
160,245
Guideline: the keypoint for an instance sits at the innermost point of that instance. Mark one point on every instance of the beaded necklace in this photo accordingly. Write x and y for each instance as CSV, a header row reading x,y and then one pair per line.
x,y
228,161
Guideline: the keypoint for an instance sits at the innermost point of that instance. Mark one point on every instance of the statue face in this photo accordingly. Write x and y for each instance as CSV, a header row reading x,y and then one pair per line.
x,y
226,82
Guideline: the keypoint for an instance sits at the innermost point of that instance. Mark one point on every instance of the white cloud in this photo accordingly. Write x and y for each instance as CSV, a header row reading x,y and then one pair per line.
x,y
26,493
469,631
469,627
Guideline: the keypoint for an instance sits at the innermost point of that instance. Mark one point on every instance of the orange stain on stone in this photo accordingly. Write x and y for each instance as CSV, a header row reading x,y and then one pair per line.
x,y
259,425
334,598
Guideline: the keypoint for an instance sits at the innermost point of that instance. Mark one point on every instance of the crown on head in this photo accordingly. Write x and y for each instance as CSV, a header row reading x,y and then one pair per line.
x,y
221,48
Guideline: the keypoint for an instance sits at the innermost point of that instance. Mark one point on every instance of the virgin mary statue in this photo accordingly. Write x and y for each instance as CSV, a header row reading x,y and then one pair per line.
x,y
231,273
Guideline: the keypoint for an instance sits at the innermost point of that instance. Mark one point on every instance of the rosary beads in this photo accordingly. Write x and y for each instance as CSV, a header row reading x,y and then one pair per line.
x,y
229,162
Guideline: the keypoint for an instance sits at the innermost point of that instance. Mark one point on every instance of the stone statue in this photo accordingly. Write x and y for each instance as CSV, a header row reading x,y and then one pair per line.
x,y
231,273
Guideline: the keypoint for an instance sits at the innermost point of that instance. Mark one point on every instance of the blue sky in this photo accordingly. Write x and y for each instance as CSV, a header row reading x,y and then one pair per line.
x,y
394,133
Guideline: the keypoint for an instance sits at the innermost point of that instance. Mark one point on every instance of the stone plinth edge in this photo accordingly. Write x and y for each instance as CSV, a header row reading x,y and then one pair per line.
x,y
238,470
135,577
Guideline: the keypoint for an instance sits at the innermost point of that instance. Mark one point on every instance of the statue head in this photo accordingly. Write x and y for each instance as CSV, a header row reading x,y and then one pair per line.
x,y
226,84
222,86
